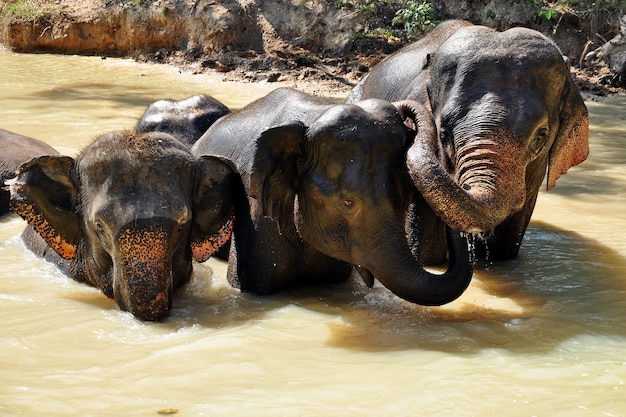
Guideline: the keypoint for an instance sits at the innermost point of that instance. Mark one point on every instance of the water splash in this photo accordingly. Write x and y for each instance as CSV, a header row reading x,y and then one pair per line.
x,y
471,246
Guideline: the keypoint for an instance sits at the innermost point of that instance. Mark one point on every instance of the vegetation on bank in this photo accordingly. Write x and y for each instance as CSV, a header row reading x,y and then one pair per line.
x,y
417,16
582,8
411,19
29,9
336,40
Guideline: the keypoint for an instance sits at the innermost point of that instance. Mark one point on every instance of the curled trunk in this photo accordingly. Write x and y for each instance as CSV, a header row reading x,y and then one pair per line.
x,y
474,202
403,275
400,271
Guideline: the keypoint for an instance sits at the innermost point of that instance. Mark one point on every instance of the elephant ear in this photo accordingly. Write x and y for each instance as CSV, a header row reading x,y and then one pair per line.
x,y
218,186
273,179
571,145
44,194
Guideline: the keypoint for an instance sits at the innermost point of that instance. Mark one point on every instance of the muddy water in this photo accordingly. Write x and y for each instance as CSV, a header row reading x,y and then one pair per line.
x,y
544,335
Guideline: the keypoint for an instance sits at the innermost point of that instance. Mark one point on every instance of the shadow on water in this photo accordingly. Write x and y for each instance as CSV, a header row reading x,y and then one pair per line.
x,y
598,185
122,96
563,285
199,302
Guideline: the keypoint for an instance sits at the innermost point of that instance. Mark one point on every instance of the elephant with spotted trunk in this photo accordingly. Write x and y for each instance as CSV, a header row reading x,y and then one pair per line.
x,y
127,215
328,189
506,111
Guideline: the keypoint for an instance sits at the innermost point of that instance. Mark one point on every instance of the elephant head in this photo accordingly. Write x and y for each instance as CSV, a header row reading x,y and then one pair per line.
x,y
128,214
185,119
506,109
342,179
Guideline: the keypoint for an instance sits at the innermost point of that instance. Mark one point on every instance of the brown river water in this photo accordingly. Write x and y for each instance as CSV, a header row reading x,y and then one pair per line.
x,y
544,335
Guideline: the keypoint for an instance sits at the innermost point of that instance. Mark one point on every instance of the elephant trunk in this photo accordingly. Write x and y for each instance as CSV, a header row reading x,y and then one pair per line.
x,y
487,187
403,275
143,283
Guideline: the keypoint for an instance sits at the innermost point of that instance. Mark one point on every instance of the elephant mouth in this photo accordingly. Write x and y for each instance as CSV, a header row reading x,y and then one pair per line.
x,y
366,275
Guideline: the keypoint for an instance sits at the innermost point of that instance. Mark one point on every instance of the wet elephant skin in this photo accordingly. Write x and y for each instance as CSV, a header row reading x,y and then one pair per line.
x,y
185,119
328,189
507,114
127,215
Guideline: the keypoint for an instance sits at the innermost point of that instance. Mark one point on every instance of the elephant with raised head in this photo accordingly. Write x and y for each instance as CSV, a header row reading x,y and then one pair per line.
x,y
127,215
506,111
16,149
185,119
327,189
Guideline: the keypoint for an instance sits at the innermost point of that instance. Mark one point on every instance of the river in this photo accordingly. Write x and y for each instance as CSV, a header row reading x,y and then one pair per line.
x,y
544,335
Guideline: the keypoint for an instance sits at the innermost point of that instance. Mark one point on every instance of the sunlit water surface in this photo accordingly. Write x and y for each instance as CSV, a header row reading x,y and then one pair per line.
x,y
544,335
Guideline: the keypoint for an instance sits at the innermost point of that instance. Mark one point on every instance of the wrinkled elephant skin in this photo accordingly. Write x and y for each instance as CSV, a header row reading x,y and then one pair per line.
x,y
127,215
327,189
506,111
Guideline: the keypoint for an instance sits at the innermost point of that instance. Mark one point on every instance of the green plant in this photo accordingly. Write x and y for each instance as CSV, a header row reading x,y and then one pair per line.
x,y
30,10
358,5
387,34
24,9
548,10
362,35
417,17
382,33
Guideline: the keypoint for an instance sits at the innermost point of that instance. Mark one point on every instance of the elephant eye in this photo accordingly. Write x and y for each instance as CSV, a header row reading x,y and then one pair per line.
x,y
539,141
101,233
347,206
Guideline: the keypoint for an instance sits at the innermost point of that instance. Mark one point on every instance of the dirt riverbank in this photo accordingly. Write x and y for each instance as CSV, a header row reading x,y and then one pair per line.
x,y
325,46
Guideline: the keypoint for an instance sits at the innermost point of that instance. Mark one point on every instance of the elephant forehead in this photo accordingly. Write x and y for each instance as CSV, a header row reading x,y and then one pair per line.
x,y
521,48
120,198
139,201
473,110
369,171
367,121
126,168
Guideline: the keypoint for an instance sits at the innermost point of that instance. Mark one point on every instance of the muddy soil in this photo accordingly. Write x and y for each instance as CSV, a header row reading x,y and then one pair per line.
x,y
326,46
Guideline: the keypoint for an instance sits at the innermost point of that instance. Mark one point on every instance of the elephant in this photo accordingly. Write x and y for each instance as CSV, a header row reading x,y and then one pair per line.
x,y
185,119
127,215
328,189
506,111
17,149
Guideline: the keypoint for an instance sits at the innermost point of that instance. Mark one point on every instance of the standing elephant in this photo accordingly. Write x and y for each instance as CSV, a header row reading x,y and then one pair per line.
x,y
16,150
128,214
327,188
506,110
186,119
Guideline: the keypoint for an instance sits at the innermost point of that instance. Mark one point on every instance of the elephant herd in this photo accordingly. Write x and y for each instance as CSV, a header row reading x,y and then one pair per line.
x,y
448,139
